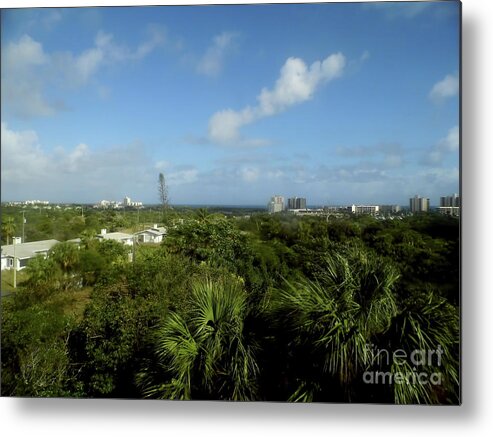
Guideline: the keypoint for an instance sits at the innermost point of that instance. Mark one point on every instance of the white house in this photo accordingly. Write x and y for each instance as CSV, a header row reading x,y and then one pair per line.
x,y
117,236
151,235
23,252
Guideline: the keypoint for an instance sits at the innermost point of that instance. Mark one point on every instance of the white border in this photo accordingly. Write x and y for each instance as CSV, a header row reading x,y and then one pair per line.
x,y
121,418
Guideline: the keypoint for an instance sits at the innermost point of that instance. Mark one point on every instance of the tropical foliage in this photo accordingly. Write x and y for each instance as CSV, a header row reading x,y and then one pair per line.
x,y
208,353
239,308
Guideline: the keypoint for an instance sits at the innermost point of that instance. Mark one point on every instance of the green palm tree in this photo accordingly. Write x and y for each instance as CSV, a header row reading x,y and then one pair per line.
x,y
339,324
202,215
44,275
428,323
8,227
66,255
331,322
207,353
88,239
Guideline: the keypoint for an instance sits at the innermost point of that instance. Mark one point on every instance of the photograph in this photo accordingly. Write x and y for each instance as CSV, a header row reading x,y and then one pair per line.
x,y
237,202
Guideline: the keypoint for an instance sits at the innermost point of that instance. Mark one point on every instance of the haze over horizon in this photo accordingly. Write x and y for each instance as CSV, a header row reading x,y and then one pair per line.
x,y
338,103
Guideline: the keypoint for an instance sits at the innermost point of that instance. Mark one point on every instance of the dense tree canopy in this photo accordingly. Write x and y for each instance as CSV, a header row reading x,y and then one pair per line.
x,y
240,307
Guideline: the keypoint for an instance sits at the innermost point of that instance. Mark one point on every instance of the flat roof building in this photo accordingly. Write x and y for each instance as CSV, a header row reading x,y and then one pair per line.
x,y
449,210
364,209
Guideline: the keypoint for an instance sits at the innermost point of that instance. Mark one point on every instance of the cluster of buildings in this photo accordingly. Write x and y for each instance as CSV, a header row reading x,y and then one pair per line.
x,y
108,204
297,205
29,203
128,202
277,204
114,204
16,256
449,205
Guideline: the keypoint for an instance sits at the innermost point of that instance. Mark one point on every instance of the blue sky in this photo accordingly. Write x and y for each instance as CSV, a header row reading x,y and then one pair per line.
x,y
339,103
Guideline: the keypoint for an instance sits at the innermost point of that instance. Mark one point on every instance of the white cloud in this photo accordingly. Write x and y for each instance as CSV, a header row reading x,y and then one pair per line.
x,y
83,174
393,161
115,52
297,83
156,38
51,19
22,156
21,85
88,63
224,125
451,142
73,159
211,63
275,174
24,53
42,18
162,165
69,174
250,174
395,10
447,87
443,148
388,155
25,160
28,71
79,69
439,177
180,177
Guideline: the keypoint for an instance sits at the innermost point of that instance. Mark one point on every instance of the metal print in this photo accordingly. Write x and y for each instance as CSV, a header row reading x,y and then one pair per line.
x,y
241,202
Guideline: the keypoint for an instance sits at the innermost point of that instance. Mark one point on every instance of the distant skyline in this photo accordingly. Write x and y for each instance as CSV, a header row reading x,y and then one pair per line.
x,y
339,103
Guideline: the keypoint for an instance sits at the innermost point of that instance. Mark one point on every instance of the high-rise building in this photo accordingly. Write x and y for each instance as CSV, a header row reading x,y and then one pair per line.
x,y
450,205
297,203
453,200
419,204
456,200
276,204
300,203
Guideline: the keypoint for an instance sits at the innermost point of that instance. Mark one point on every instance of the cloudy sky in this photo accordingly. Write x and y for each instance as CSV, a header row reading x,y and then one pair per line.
x,y
339,103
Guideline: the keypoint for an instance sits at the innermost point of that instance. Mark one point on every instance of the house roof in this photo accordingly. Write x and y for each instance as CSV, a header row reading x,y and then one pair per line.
x,y
153,231
115,236
28,250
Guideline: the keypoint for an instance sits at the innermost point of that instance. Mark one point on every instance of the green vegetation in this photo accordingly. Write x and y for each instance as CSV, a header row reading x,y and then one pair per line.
x,y
236,306
8,279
